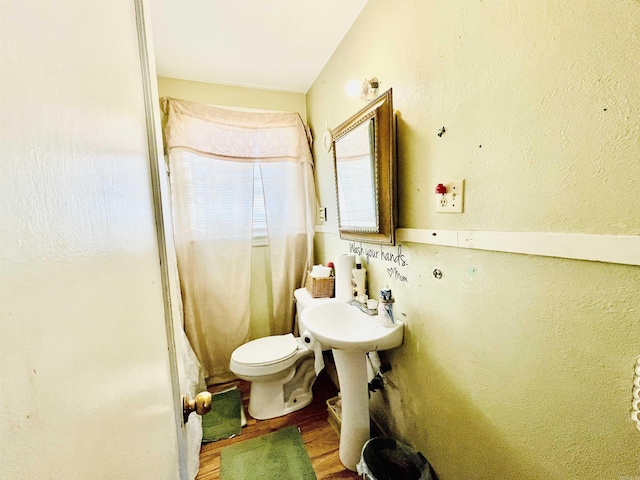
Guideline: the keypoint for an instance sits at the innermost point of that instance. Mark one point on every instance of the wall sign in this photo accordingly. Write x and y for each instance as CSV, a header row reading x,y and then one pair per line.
x,y
396,259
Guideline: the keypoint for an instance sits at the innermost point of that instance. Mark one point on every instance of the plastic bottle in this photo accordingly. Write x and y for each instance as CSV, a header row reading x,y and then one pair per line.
x,y
385,308
330,265
359,278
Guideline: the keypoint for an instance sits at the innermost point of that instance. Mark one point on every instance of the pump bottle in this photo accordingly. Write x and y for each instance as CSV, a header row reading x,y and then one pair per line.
x,y
359,279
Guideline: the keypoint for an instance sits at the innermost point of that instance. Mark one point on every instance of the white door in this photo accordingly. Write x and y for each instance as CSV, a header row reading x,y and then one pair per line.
x,y
86,376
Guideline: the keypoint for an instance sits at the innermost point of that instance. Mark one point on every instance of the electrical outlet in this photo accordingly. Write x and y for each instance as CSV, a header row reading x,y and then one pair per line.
x,y
322,212
453,200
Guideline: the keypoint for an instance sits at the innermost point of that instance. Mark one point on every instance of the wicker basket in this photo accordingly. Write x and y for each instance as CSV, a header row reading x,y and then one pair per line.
x,y
320,287
335,414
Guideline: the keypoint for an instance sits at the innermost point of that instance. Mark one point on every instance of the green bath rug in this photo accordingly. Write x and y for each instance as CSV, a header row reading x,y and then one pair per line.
x,y
223,421
275,456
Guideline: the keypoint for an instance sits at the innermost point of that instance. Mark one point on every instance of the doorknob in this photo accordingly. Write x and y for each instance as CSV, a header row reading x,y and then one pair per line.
x,y
201,405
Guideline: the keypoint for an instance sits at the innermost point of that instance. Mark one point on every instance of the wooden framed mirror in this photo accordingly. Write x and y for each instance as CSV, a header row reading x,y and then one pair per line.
x,y
364,157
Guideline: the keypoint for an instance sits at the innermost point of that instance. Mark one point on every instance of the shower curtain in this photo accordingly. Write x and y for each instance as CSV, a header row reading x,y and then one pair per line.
x,y
213,154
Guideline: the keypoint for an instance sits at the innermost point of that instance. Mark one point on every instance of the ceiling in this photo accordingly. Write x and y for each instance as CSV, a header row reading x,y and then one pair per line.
x,y
272,44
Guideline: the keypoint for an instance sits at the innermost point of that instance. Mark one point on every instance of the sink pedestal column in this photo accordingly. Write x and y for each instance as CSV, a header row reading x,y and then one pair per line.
x,y
354,432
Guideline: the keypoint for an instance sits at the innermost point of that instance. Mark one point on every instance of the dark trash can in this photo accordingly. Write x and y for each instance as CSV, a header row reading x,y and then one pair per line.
x,y
384,458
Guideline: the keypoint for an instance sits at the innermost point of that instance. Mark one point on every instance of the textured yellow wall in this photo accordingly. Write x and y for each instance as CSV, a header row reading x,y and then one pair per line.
x,y
513,366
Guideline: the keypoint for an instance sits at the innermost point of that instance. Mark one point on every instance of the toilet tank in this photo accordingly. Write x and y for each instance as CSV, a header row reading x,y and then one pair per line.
x,y
303,300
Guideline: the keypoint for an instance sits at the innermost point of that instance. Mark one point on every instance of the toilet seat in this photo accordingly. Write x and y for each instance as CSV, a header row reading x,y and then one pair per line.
x,y
266,350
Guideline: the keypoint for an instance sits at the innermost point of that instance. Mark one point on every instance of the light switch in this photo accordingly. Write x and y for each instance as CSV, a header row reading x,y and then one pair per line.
x,y
453,200
322,212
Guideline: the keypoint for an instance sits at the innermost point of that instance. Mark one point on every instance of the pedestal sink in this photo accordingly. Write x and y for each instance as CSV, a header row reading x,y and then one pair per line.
x,y
351,333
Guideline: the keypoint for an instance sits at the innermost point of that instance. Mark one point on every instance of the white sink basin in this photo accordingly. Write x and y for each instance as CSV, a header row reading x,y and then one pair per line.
x,y
350,333
338,325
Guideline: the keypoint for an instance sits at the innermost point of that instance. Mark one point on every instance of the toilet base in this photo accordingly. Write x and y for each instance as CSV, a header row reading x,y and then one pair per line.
x,y
271,399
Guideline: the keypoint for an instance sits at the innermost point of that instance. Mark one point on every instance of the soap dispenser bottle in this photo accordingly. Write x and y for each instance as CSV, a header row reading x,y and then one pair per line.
x,y
359,278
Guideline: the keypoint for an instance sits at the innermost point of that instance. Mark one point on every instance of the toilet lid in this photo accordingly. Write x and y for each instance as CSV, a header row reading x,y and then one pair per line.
x,y
266,350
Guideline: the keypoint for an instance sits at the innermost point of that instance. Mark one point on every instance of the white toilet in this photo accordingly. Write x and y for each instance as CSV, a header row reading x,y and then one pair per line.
x,y
280,368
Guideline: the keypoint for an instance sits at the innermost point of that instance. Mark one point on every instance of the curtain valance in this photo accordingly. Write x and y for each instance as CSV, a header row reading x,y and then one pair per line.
x,y
235,135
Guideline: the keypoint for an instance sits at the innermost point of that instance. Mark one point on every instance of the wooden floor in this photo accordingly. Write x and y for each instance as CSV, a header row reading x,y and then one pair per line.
x,y
319,437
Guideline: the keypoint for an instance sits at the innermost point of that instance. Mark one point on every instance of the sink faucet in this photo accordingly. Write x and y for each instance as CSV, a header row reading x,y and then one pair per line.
x,y
363,307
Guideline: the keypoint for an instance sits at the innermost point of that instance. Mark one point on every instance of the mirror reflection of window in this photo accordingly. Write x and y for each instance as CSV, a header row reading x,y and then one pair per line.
x,y
364,158
355,164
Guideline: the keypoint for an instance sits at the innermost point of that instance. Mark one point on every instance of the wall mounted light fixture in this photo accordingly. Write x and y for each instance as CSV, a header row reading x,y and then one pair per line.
x,y
367,91
370,89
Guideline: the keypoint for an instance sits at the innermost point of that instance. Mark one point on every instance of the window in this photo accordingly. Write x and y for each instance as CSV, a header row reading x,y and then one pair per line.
x,y
260,232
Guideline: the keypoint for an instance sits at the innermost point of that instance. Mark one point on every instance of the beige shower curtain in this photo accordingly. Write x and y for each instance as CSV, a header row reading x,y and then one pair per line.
x,y
212,156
